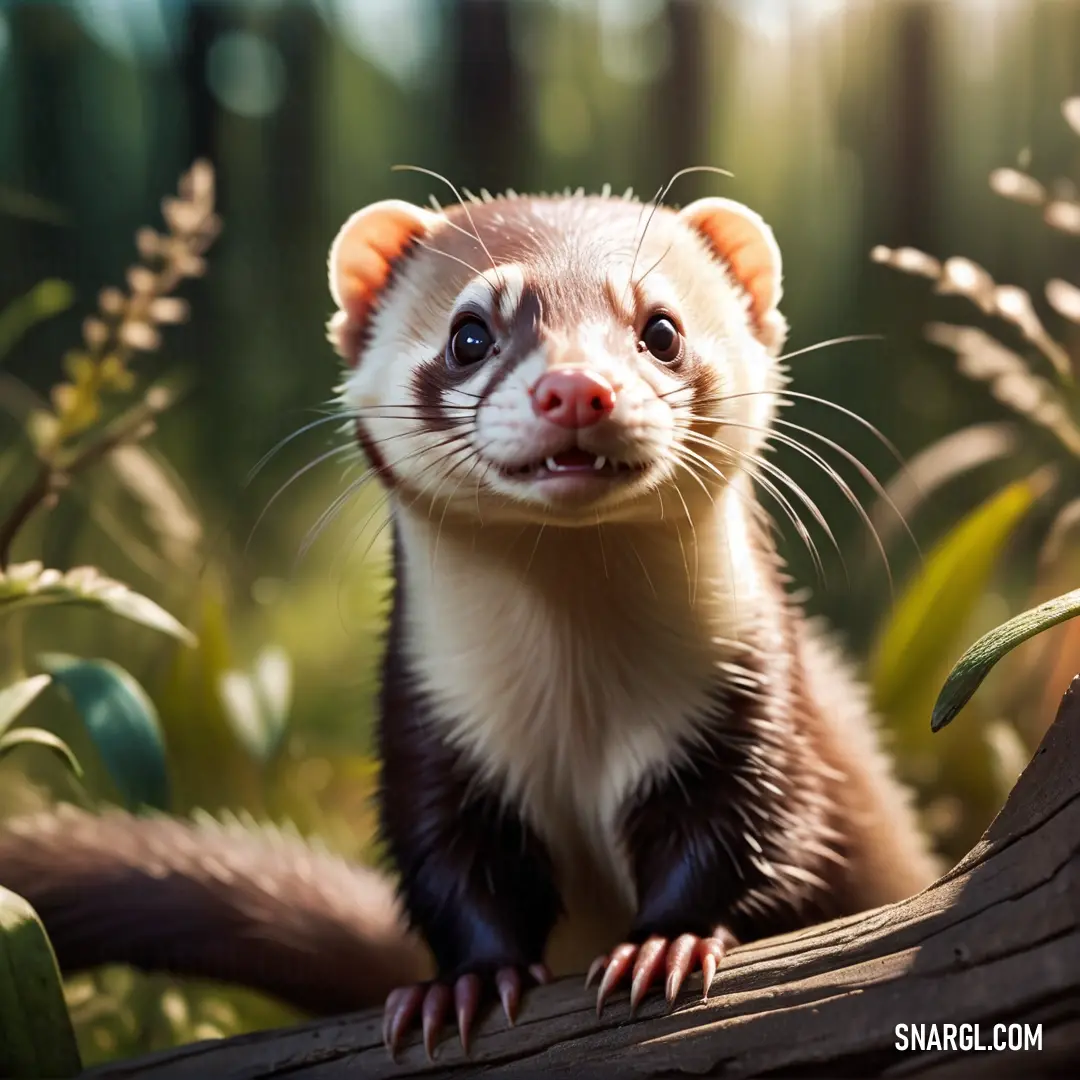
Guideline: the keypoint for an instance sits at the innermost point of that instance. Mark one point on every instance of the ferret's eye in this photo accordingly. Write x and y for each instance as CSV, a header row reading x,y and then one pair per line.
x,y
470,343
662,338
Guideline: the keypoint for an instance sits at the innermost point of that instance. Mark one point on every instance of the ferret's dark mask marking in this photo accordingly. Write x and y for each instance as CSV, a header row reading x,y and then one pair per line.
x,y
523,336
434,378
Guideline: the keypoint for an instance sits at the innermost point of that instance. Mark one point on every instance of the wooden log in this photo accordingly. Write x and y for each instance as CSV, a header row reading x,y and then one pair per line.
x,y
996,941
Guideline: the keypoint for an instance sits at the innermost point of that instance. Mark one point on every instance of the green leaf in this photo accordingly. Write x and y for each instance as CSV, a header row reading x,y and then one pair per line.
x,y
36,1037
970,670
930,616
257,705
29,584
40,737
122,722
46,299
15,698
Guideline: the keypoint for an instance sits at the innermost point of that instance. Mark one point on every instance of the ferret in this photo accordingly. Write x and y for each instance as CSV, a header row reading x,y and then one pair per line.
x,y
610,739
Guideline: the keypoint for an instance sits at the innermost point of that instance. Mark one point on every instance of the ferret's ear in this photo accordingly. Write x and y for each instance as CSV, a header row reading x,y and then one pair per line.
x,y
361,259
745,243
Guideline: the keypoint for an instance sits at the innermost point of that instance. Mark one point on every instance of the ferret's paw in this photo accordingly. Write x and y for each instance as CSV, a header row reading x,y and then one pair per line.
x,y
432,1001
679,957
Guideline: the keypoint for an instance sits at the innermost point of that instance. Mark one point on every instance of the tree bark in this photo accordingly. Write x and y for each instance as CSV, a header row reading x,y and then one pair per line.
x,y
994,941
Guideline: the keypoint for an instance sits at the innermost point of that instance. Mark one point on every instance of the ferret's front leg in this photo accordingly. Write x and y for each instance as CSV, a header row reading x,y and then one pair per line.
x,y
687,887
476,881
718,857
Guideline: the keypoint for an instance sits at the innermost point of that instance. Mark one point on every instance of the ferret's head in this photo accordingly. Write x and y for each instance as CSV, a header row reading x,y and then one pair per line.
x,y
560,359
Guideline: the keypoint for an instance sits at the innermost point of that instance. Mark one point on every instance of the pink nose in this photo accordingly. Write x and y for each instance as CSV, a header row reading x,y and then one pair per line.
x,y
573,398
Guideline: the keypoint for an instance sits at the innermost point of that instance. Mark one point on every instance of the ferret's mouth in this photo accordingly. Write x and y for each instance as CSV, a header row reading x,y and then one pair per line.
x,y
574,462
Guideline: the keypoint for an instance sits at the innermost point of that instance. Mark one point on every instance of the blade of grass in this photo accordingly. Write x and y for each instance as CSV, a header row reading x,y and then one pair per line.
x,y
975,664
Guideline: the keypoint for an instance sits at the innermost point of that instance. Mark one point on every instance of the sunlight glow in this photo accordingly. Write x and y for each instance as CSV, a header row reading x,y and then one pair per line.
x,y
396,36
132,29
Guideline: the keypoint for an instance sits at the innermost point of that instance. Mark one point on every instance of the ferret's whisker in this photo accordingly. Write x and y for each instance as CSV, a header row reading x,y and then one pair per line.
x,y
778,495
644,568
403,411
879,488
536,545
325,519
356,536
449,500
341,500
279,446
653,203
693,532
658,202
837,479
463,204
780,474
603,552
303,470
446,255
781,397
790,512
733,578
667,251
846,339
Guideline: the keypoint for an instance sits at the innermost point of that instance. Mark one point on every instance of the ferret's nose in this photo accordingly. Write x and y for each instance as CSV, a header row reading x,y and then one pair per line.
x,y
573,397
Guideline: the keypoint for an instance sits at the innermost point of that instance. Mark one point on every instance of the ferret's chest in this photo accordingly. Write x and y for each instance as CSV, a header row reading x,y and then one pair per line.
x,y
565,718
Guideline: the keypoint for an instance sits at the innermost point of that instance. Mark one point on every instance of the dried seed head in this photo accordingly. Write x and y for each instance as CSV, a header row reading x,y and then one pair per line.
x,y
95,332
169,310
1070,109
197,184
188,264
1063,214
963,277
111,301
1064,298
148,243
183,218
1018,186
141,280
908,260
1014,304
139,335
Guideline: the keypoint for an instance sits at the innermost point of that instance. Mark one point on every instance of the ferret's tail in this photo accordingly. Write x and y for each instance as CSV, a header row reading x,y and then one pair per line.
x,y
224,900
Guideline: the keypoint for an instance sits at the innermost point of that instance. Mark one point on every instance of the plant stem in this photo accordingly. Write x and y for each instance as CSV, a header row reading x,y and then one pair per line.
x,y
39,491
54,474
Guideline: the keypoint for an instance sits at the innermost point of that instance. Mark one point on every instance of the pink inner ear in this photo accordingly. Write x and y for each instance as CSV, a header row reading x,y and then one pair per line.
x,y
746,244
365,251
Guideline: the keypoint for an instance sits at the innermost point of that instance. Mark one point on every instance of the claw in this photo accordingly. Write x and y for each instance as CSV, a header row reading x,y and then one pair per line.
x,y
541,973
433,1002
436,1002
680,961
708,972
650,958
595,968
679,957
466,1002
616,969
401,1006
508,983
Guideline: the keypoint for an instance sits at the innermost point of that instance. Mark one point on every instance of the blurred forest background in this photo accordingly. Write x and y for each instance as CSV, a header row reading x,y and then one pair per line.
x,y
846,124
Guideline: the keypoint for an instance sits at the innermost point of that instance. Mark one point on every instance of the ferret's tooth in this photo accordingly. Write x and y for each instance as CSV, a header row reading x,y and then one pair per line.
x,y
599,463
552,465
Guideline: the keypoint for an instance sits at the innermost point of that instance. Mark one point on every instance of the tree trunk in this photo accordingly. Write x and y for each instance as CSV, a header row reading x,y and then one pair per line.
x,y
488,149
995,941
